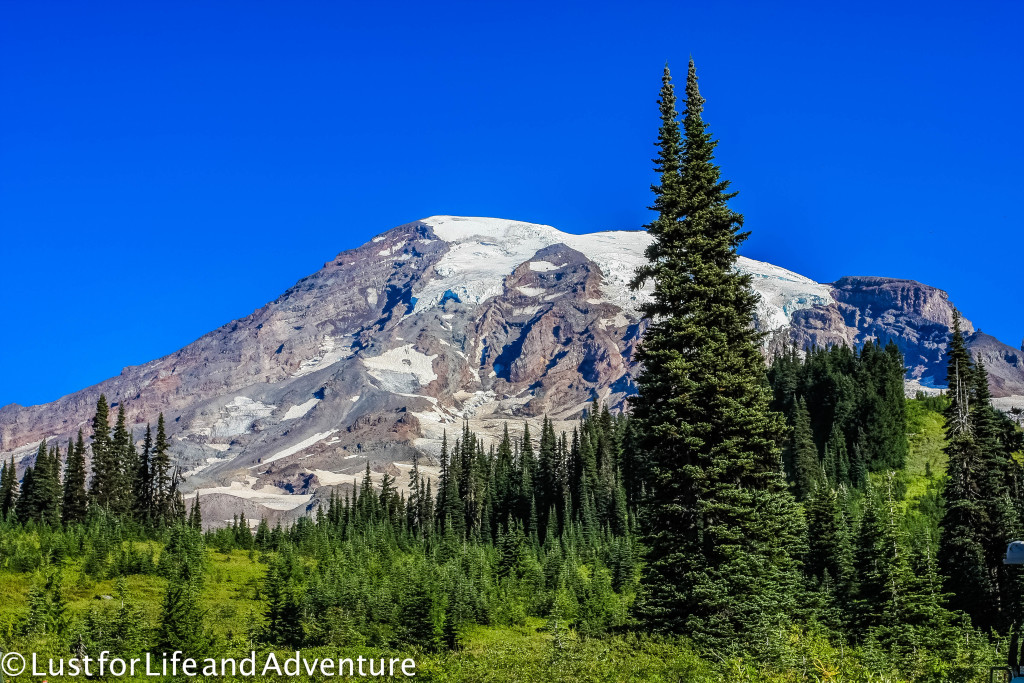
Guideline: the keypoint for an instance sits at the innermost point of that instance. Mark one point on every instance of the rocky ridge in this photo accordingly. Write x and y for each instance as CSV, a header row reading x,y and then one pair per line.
x,y
371,358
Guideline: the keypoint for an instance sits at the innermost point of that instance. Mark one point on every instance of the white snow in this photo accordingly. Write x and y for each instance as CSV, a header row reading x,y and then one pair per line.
x,y
292,450
401,370
200,468
1008,402
274,501
530,291
482,251
300,410
328,478
238,416
330,353
782,292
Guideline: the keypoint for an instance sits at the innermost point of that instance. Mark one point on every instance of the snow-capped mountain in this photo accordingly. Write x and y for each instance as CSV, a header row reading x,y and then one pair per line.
x,y
448,318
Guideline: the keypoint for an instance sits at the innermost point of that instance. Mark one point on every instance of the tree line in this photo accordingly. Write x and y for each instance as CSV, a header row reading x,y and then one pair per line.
x,y
142,486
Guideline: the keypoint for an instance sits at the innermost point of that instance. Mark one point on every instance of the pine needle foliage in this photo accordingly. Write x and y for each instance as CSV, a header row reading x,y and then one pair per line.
x,y
723,532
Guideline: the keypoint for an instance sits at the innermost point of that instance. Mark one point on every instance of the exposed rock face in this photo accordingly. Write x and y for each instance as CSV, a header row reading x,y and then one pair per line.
x,y
371,358
917,317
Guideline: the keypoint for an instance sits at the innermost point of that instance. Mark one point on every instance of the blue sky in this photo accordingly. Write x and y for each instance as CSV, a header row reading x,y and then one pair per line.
x,y
167,167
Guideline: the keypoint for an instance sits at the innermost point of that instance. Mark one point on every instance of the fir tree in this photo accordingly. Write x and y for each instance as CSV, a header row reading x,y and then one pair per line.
x,y
162,481
962,543
803,454
103,487
195,516
182,624
144,480
76,499
125,464
8,489
283,615
721,528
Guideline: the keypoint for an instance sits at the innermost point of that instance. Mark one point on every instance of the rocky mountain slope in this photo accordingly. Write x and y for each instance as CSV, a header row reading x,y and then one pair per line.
x,y
440,320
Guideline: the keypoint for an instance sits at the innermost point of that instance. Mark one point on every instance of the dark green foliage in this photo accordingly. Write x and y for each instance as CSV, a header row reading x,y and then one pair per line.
x,y
722,531
980,517
39,498
106,476
195,515
829,560
125,461
182,625
183,556
8,488
421,617
76,499
161,480
803,454
283,615
855,410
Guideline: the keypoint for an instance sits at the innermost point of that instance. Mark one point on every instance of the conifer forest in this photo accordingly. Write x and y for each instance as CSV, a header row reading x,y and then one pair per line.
x,y
798,519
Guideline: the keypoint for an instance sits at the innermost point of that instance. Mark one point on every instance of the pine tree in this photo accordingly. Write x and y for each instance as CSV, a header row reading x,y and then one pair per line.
x,y
162,481
183,622
46,485
195,517
8,488
76,499
450,511
803,454
125,462
25,508
283,615
103,485
722,531
962,543
829,561
143,485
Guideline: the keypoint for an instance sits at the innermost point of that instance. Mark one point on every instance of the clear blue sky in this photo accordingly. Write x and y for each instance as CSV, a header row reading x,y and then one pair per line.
x,y
167,167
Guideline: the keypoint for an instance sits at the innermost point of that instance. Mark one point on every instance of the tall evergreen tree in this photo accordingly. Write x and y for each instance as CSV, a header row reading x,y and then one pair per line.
x,y
803,454
8,488
144,479
723,532
102,485
124,461
76,500
162,480
962,543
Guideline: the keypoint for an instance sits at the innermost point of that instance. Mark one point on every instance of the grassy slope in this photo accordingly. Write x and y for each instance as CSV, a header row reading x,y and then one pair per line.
x,y
926,433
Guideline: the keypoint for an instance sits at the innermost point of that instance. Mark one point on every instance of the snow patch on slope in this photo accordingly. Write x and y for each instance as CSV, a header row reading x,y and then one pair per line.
x,y
241,412
300,410
292,450
401,370
274,501
330,353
